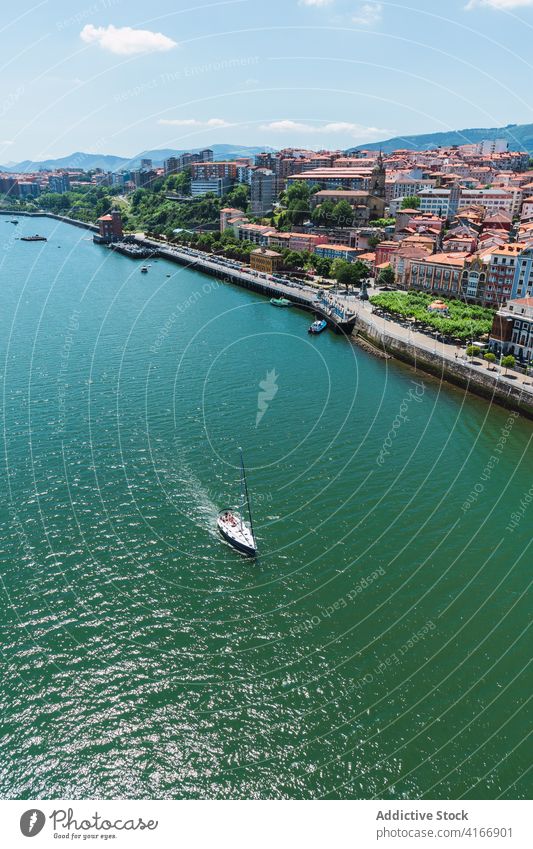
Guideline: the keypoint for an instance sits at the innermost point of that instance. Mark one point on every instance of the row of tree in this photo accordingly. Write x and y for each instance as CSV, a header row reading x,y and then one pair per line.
x,y
463,321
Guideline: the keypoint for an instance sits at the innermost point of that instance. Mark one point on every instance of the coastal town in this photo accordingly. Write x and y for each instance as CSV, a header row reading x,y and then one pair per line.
x,y
454,224
266,346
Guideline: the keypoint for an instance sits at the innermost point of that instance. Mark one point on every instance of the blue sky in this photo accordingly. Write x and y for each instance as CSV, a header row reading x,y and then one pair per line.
x,y
119,77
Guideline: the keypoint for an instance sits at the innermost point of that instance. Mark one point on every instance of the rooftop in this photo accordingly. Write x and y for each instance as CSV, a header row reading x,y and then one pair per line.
x,y
265,252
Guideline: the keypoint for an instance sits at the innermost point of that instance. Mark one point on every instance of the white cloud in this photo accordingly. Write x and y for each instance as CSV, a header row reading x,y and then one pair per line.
x,y
368,15
288,127
355,131
193,122
499,4
126,41
316,2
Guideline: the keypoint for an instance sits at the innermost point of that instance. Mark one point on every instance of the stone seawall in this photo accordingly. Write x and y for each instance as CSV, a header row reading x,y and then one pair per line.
x,y
484,383
64,218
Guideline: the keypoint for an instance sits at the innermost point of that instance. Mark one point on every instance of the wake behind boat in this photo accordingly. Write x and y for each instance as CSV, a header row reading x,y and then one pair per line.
x,y
233,528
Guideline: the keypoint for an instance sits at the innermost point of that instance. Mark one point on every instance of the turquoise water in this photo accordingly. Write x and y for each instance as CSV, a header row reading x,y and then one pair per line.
x,y
378,647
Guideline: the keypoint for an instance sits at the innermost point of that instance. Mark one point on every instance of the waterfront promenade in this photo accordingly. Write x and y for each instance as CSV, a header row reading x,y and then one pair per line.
x,y
448,352
446,361
445,357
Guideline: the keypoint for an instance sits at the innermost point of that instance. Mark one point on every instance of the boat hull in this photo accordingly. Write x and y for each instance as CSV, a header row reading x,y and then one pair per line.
x,y
344,327
241,542
238,546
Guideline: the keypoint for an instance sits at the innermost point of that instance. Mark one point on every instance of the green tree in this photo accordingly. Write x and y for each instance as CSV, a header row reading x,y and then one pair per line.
x,y
490,358
508,362
411,202
343,214
471,351
238,197
323,215
322,265
179,183
297,212
293,259
386,277
297,191
349,274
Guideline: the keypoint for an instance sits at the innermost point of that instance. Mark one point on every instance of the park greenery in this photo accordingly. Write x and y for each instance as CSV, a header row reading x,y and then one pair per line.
x,y
161,208
382,222
464,321
86,203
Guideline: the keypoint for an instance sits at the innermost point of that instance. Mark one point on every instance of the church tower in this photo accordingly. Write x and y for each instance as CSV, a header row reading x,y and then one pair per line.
x,y
377,186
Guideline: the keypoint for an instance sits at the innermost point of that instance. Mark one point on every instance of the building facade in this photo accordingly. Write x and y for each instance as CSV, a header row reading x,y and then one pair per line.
x,y
262,191
110,226
266,261
512,330
59,183
523,275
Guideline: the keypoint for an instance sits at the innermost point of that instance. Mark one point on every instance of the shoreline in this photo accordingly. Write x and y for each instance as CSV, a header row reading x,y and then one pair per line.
x,y
491,386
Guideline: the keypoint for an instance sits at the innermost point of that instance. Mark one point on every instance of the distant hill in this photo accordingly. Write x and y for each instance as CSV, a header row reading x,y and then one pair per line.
x,y
89,161
519,136
75,160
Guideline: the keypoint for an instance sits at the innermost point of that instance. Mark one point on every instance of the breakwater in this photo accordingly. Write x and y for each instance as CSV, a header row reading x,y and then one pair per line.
x,y
64,218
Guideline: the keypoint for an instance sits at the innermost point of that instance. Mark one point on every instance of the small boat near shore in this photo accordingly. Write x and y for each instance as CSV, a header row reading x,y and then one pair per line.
x,y
14,221
144,269
233,528
35,238
280,302
318,326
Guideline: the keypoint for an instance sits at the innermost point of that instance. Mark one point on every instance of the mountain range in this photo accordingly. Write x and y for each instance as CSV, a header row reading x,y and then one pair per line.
x,y
519,136
107,162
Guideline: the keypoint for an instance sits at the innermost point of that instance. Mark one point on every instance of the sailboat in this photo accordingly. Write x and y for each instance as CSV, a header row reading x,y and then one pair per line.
x,y
231,525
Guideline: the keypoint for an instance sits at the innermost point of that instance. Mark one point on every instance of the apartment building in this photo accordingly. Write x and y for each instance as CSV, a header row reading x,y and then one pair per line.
x,y
512,330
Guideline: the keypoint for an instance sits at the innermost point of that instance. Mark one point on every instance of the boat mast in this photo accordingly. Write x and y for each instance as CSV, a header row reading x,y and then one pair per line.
x,y
243,478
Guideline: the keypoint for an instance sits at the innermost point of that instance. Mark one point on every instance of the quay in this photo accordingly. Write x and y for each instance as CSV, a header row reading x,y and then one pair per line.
x,y
376,335
339,315
373,334
64,218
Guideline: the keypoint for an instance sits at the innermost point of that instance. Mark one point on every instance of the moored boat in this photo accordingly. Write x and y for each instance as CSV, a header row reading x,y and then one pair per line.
x,y
35,238
144,269
346,326
280,302
318,326
233,528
